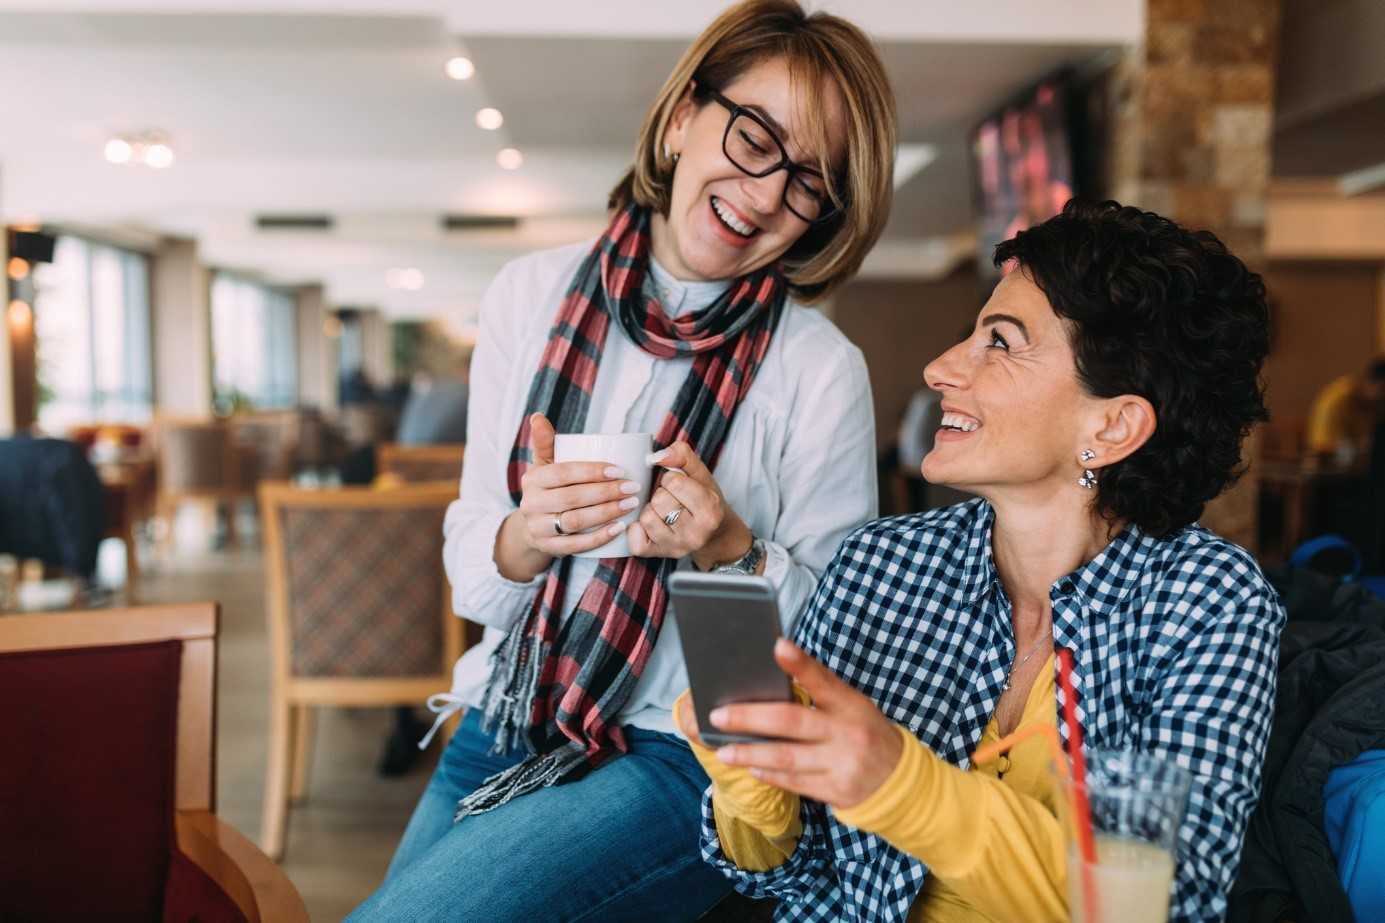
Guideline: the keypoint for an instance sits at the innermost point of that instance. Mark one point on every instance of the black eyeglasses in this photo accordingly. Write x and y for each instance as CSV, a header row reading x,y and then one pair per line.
x,y
753,147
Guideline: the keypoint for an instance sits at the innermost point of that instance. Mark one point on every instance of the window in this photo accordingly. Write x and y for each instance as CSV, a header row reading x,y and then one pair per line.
x,y
91,317
254,345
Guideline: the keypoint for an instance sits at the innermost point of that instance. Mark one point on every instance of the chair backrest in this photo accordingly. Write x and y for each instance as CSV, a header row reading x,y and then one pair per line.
x,y
420,463
108,732
272,438
356,582
195,456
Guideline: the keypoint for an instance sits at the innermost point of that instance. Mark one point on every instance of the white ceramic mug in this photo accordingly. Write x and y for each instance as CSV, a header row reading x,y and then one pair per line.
x,y
629,451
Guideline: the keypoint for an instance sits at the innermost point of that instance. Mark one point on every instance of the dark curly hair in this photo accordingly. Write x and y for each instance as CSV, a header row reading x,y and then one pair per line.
x,y
1170,315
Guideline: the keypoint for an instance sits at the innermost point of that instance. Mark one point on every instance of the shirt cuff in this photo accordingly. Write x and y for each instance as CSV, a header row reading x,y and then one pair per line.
x,y
491,529
777,563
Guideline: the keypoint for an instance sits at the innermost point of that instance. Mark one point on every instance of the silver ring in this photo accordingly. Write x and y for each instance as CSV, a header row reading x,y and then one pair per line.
x,y
558,525
671,518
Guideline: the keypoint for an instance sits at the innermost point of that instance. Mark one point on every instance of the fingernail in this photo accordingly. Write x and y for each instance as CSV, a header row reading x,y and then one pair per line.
x,y
630,487
613,472
717,716
615,529
727,754
656,457
629,503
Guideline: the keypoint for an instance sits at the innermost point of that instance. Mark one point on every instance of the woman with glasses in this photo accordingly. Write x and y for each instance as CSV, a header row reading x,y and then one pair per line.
x,y
762,177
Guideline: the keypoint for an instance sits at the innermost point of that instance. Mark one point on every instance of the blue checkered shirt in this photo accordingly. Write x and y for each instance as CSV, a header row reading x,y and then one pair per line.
x,y
1175,644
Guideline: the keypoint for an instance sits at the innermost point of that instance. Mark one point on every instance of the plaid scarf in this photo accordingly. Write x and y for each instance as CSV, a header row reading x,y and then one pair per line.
x,y
559,681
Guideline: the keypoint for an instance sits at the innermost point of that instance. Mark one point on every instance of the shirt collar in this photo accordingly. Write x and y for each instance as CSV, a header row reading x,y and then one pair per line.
x,y
1099,585
677,297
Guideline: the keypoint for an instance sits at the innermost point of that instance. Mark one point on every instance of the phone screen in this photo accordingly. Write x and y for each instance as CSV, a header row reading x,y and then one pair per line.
x,y
728,625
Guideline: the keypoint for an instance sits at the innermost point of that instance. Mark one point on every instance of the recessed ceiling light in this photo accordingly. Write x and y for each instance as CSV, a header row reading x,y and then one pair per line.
x,y
408,279
490,119
18,268
118,150
460,68
510,159
158,156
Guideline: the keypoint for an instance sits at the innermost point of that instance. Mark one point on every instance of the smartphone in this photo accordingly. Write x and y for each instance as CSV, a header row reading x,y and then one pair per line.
x,y
728,624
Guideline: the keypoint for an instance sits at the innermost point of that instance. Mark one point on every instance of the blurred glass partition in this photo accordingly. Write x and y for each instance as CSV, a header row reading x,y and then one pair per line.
x,y
91,314
254,345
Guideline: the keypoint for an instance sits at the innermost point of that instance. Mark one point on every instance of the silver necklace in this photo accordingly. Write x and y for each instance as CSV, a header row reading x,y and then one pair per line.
x,y
1034,650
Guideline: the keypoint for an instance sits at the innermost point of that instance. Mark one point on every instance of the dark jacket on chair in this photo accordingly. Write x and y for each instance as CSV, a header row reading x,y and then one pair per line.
x,y
1330,708
51,505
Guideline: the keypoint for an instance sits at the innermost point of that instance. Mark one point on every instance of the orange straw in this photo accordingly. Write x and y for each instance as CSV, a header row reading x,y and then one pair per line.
x,y
1086,841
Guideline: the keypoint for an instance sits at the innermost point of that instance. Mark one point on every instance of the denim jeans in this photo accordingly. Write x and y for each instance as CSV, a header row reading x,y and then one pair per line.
x,y
618,844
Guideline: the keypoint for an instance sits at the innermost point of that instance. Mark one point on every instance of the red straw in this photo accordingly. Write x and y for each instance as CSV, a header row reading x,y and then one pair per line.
x,y
1086,842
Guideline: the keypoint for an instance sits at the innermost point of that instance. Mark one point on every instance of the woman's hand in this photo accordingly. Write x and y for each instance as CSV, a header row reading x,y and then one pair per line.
x,y
575,496
706,527
838,752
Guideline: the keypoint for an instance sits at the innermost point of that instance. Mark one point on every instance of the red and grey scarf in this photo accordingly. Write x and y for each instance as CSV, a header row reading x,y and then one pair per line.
x,y
560,679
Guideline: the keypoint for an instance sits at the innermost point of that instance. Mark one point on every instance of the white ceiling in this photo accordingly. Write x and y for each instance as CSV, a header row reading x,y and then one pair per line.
x,y
341,107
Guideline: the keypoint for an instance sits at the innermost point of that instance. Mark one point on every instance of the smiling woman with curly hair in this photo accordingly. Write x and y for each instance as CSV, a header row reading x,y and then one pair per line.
x,y
1100,402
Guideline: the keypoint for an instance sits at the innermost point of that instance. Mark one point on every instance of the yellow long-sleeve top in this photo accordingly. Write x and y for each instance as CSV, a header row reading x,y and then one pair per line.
x,y
990,837
1337,417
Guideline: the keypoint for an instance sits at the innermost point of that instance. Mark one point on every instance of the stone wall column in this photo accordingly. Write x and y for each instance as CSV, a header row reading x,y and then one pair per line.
x,y
315,387
1192,123
6,383
182,326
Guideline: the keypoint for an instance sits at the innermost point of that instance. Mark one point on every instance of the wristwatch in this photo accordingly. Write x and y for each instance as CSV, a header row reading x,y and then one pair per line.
x,y
745,565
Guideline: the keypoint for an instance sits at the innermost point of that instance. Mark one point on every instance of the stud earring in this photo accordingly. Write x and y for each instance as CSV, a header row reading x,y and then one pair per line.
x,y
1087,455
1088,479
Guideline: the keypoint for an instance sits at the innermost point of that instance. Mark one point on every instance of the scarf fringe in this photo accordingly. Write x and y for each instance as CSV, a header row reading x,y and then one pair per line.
x,y
532,774
509,700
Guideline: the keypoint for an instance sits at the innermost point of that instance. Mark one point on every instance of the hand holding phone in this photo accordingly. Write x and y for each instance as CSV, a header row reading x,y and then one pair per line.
x,y
728,624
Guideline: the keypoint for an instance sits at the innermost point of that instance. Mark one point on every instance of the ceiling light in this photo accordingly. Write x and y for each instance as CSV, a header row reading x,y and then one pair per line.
x,y
19,268
490,119
510,159
409,279
158,155
118,150
460,68
20,315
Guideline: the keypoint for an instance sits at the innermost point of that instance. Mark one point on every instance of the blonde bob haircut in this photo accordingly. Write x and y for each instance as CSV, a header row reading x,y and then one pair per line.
x,y
817,48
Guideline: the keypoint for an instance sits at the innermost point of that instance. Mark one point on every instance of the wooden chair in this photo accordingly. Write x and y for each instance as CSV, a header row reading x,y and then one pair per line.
x,y
360,614
197,460
109,775
416,464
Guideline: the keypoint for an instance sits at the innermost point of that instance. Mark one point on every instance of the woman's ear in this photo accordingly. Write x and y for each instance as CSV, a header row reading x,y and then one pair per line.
x,y
1125,424
676,132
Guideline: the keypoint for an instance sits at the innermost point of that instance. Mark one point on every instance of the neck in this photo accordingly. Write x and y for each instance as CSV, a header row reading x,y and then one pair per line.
x,y
1034,544
662,248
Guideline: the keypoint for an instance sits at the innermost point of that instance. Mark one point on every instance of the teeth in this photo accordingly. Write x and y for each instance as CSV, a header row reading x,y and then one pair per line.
x,y
728,216
959,422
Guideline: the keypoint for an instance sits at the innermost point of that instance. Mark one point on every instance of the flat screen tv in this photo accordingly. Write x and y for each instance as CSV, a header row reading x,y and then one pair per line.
x,y
1028,158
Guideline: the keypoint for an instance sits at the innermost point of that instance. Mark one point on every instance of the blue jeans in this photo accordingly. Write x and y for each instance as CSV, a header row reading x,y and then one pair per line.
x,y
619,844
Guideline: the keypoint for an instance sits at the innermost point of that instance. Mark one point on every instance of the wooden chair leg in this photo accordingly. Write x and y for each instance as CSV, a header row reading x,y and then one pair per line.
x,y
166,510
276,787
127,535
232,537
303,725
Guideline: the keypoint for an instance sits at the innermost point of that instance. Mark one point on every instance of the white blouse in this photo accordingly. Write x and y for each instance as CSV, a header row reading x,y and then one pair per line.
x,y
798,464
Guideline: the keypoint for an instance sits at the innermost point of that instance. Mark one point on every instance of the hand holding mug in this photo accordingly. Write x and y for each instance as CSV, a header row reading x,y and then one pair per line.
x,y
688,514
563,500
